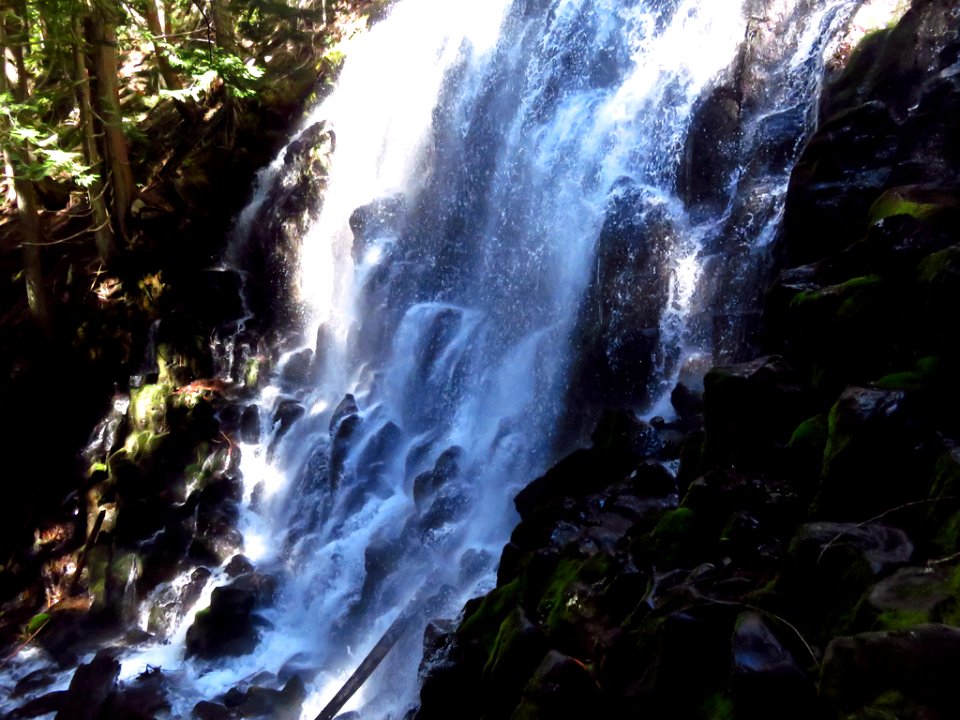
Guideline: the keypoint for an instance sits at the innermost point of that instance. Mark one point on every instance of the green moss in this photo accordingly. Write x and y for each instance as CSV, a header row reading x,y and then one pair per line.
x,y
509,635
894,202
857,295
36,623
148,406
673,534
484,621
141,445
845,292
908,380
811,434
252,373
717,707
556,597
932,267
836,441
900,619
948,535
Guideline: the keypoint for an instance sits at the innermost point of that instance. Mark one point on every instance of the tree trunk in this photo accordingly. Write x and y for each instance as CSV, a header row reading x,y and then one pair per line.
x,y
223,30
16,158
102,232
103,38
170,77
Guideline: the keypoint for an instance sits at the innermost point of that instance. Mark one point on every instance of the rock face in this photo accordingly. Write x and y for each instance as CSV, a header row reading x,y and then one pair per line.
x,y
801,563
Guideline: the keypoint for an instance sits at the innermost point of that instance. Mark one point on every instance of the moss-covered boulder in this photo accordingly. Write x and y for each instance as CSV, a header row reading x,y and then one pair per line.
x,y
913,668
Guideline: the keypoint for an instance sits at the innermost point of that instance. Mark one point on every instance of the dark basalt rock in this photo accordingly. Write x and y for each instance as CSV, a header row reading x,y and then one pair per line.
x,y
712,148
750,409
229,626
91,688
767,681
382,217
918,665
560,686
206,710
43,705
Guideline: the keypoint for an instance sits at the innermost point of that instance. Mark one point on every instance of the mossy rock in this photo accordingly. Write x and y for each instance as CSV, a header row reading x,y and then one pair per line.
x,y
844,302
878,456
483,617
568,606
718,706
911,596
916,666
944,513
148,406
919,202
847,89
807,445
675,539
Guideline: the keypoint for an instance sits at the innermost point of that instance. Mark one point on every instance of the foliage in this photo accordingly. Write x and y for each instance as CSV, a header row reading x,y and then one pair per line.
x,y
204,65
40,150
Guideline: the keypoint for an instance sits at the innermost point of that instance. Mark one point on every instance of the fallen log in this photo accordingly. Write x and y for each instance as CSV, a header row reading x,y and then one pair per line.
x,y
369,664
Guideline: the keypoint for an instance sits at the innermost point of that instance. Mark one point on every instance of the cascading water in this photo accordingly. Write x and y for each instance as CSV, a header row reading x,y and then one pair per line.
x,y
531,204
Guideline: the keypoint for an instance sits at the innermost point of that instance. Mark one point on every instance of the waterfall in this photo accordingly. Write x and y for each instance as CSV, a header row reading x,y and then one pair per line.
x,y
534,208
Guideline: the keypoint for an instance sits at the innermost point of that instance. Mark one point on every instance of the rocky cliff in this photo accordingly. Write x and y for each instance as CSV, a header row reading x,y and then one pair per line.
x,y
801,561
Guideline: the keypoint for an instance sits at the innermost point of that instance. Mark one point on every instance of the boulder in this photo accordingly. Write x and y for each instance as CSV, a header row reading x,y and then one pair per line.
x,y
879,455
767,680
750,410
911,596
919,664
91,688
229,626
831,565
560,687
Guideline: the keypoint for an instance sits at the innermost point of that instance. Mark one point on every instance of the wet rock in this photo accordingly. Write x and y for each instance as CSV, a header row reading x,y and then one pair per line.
x,y
43,705
346,408
446,469
229,626
880,548
619,321
143,698
238,565
250,425
382,217
169,607
91,687
286,414
712,148
301,665
274,704
380,450
206,710
842,171
32,682
217,514
688,404
348,431
296,371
